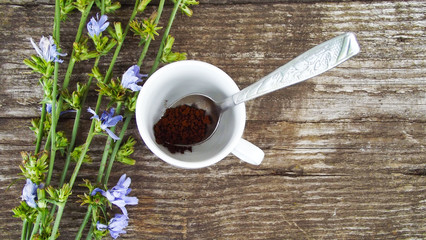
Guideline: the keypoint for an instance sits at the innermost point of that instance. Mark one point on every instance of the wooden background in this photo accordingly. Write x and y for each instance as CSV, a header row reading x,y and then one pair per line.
x,y
344,152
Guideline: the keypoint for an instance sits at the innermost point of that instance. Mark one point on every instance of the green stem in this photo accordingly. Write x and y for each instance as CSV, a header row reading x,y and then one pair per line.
x,y
81,26
83,224
75,128
116,148
120,44
29,229
107,76
142,56
113,60
144,51
55,228
24,230
47,143
90,233
83,153
40,128
57,22
92,127
103,162
56,109
106,149
165,35
36,225
102,8
80,160
56,34
53,126
148,41
69,71
70,146
89,82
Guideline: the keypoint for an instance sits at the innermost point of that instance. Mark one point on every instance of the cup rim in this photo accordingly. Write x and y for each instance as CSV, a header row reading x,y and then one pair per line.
x,y
150,143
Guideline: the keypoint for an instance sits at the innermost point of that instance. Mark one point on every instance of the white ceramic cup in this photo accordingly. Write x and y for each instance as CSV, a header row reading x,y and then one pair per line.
x,y
176,80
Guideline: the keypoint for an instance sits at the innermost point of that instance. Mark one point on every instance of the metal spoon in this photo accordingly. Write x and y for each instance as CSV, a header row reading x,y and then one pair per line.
x,y
315,61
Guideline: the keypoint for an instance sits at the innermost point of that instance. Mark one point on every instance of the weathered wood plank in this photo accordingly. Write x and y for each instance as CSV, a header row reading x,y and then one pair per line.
x,y
398,79
344,151
304,176
203,2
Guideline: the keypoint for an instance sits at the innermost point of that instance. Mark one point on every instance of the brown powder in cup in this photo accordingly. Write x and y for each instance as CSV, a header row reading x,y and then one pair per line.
x,y
182,125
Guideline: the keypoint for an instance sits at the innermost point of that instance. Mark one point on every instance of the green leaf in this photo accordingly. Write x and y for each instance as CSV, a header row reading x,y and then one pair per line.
x,y
74,99
64,192
147,29
114,90
110,7
25,212
125,150
118,31
75,155
97,200
82,4
34,167
142,5
32,65
97,74
168,56
109,46
81,50
127,161
34,125
59,195
67,6
184,6
61,142
130,103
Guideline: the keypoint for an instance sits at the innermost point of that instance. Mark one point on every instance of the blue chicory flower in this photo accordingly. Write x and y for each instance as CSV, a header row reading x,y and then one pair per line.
x,y
29,193
47,49
107,120
96,26
131,77
118,194
115,226
49,109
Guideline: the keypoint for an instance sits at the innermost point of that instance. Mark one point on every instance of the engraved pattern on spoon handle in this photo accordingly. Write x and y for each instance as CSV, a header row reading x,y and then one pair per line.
x,y
311,63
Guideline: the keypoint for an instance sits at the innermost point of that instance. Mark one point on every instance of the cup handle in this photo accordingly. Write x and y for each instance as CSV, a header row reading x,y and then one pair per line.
x,y
248,152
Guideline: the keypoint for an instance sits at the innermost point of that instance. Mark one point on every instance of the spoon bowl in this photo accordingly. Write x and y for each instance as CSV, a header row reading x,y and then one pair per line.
x,y
206,103
311,63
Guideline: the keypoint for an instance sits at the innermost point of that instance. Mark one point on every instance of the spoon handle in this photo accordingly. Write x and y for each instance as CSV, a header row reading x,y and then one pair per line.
x,y
311,63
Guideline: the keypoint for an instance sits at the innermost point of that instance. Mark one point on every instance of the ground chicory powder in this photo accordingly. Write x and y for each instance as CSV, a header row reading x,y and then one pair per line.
x,y
182,125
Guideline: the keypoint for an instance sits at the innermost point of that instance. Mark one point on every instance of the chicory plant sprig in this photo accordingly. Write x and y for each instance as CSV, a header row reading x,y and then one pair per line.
x,y
130,114
119,91
48,53
160,55
85,12
119,36
55,115
37,222
95,29
117,149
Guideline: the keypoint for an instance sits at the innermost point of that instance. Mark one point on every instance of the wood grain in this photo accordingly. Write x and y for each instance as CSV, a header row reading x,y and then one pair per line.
x,y
344,151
